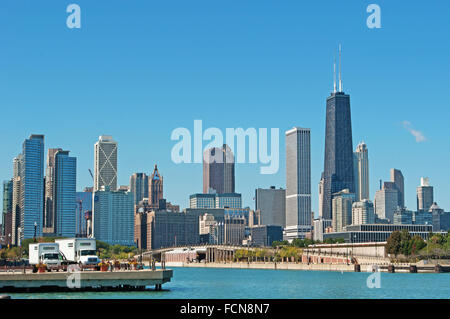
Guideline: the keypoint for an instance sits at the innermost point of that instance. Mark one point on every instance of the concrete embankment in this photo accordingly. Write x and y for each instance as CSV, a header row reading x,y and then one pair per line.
x,y
269,265
399,268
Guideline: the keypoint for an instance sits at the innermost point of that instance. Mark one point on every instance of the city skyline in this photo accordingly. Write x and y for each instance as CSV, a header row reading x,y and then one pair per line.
x,y
384,120
54,151
185,152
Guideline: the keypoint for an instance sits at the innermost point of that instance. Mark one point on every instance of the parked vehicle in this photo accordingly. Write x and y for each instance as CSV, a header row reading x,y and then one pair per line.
x,y
79,250
45,253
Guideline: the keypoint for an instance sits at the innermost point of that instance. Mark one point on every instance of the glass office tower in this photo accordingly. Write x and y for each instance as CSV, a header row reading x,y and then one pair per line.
x,y
338,164
65,194
32,187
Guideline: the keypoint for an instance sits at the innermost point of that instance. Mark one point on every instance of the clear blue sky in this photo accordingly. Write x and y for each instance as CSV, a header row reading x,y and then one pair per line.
x,y
139,69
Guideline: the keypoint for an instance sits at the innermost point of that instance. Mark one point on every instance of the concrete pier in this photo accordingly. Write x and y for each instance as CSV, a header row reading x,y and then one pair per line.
x,y
85,280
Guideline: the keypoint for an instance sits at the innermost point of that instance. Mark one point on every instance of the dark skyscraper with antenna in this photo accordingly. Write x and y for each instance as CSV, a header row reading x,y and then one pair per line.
x,y
338,164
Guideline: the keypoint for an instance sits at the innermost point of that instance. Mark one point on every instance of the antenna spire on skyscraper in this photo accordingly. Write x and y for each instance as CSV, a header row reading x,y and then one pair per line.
x,y
340,68
334,75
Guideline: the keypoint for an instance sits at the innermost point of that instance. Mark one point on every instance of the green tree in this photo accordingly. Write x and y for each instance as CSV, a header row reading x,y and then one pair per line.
x,y
239,254
279,243
393,245
405,240
417,243
334,241
297,242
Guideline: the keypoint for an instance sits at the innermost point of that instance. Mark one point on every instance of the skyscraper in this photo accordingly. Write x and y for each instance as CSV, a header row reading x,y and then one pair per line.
x,y
386,201
84,212
342,210
32,187
338,163
139,186
113,216
424,195
155,184
441,219
49,217
321,196
399,183
65,194
232,200
363,213
298,183
15,218
272,205
7,208
218,170
320,227
105,163
361,167
167,229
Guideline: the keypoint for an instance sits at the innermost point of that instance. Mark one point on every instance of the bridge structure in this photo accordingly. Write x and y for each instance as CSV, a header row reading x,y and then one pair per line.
x,y
211,253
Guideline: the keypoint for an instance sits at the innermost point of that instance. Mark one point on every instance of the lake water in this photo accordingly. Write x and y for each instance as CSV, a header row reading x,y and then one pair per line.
x,y
214,283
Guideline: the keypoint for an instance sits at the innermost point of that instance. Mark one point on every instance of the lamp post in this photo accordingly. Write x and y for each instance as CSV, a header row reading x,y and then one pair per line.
x,y
376,251
19,232
35,229
347,255
248,254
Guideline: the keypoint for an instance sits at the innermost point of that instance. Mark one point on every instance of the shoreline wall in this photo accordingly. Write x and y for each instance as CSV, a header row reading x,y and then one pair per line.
x,y
399,268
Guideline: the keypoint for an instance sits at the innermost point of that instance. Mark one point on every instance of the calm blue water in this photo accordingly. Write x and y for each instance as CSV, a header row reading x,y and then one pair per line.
x,y
191,283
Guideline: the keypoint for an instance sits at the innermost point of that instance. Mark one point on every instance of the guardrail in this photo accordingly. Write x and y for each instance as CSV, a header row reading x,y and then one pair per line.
x,y
111,267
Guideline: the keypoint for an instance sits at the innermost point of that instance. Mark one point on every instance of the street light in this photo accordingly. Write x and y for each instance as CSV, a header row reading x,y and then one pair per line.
x,y
35,229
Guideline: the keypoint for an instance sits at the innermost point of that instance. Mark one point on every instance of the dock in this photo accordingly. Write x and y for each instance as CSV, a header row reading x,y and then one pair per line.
x,y
122,280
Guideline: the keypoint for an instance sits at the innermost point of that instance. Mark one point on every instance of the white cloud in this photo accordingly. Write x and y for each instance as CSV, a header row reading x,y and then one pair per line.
x,y
418,135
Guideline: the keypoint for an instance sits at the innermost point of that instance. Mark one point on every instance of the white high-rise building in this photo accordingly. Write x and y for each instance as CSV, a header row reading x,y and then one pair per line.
x,y
363,213
17,161
386,201
298,183
424,195
361,167
321,197
342,209
320,227
105,163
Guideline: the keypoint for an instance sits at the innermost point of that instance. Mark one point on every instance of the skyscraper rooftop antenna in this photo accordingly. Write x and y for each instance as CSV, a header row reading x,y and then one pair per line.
x,y
334,74
340,68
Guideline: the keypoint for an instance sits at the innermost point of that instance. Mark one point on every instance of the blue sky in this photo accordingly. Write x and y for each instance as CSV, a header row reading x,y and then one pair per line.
x,y
139,69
